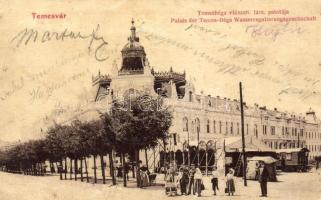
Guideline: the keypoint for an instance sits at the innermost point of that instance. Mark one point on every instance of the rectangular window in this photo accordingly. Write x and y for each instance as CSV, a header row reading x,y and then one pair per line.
x,y
264,127
174,138
272,130
288,156
231,127
238,128
220,126
255,131
247,129
214,126
226,128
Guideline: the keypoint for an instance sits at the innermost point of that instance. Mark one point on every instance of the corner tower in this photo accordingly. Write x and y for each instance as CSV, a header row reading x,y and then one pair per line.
x,y
134,75
133,54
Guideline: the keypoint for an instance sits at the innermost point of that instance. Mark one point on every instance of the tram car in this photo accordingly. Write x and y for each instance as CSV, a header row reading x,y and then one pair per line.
x,y
291,160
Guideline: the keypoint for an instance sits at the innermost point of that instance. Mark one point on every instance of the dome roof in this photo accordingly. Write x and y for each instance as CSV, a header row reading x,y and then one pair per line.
x,y
133,47
133,53
133,44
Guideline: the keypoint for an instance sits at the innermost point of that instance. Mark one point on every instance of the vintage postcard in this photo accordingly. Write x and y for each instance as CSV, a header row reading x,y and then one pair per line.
x,y
137,99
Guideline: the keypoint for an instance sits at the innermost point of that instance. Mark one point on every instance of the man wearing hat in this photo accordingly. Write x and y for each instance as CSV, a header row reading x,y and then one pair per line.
x,y
191,180
263,178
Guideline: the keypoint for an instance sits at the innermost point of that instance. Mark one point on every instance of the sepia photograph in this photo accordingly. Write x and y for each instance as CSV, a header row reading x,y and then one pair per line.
x,y
149,100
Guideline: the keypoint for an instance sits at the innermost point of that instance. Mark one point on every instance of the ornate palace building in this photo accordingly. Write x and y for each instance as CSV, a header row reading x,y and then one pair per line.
x,y
204,119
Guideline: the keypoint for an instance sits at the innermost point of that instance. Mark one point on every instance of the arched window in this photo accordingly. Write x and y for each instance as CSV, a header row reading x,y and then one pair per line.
x,y
197,125
193,127
185,124
208,126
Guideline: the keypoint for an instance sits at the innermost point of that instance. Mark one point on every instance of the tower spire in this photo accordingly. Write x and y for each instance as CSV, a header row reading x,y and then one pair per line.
x,y
133,32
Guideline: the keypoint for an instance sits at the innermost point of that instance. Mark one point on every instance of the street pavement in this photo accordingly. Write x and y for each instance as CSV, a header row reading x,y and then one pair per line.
x,y
294,186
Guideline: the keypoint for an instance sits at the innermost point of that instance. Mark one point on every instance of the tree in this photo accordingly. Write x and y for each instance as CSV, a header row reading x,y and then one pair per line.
x,y
71,144
139,124
109,137
96,142
57,144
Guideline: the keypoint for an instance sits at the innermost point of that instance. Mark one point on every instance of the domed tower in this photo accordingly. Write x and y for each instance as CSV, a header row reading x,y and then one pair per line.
x,y
133,55
134,75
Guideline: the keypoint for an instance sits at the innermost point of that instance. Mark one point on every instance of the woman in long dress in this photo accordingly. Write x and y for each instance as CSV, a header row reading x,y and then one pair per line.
x,y
144,176
198,182
230,186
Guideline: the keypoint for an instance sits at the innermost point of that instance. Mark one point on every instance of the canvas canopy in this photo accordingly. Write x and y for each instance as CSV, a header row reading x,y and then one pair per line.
x,y
251,144
265,159
291,150
253,162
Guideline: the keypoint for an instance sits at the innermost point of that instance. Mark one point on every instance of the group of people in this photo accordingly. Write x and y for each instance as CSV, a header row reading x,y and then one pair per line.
x,y
190,180
119,169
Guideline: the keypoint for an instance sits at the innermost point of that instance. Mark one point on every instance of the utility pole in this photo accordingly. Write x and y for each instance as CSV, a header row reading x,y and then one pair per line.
x,y
243,138
198,146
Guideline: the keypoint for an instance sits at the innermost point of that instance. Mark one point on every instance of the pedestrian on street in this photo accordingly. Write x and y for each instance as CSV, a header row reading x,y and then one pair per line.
x,y
144,176
198,182
183,179
191,180
126,170
230,186
214,180
170,174
263,178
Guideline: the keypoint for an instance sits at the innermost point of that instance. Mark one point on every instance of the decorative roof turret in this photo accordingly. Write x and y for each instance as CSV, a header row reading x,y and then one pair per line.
x,y
133,54
133,37
310,112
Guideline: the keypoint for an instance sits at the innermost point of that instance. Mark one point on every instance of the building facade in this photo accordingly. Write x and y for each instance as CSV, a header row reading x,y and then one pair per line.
x,y
199,118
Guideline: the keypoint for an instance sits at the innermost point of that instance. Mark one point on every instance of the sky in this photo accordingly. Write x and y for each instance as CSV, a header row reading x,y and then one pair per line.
x,y
50,79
